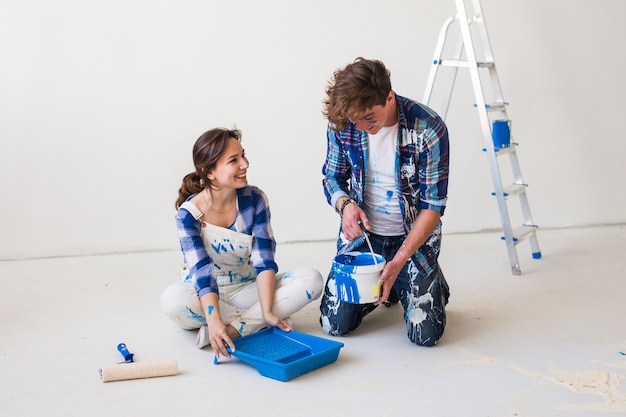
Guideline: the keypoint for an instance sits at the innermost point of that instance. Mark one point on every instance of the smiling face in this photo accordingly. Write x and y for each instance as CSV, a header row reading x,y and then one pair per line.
x,y
231,169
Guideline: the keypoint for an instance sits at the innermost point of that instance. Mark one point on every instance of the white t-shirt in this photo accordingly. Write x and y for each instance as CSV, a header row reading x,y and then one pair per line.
x,y
382,205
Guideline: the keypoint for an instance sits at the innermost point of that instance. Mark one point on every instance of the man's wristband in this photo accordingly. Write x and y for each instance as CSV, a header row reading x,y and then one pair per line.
x,y
344,203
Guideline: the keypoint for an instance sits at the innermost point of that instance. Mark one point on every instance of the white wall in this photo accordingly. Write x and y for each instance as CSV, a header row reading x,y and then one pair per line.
x,y
101,102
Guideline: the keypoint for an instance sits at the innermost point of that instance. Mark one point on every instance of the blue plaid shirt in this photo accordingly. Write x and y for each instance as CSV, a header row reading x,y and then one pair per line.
x,y
253,218
422,165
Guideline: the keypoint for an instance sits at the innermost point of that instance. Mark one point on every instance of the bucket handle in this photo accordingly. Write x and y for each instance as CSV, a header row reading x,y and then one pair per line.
x,y
370,246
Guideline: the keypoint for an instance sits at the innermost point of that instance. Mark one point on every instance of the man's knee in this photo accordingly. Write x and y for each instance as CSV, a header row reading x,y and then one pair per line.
x,y
333,327
426,336
426,329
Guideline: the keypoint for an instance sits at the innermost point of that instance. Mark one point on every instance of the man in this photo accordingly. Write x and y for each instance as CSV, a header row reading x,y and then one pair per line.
x,y
386,172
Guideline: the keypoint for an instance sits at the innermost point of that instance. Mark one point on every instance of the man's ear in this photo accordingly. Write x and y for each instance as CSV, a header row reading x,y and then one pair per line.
x,y
390,97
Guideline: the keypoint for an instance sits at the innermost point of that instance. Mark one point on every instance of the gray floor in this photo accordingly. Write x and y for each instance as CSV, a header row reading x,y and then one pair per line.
x,y
546,343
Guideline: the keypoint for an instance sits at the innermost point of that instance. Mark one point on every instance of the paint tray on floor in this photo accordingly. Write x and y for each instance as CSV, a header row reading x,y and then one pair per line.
x,y
285,355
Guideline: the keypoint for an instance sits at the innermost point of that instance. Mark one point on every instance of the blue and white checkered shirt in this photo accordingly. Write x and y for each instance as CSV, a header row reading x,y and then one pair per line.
x,y
253,218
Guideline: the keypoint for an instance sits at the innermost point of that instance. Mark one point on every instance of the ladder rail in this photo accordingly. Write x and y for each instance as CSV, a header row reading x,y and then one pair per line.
x,y
436,62
452,78
515,167
487,51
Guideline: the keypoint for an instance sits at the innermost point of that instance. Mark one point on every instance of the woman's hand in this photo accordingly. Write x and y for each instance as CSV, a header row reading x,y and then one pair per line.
x,y
220,339
272,320
266,282
220,335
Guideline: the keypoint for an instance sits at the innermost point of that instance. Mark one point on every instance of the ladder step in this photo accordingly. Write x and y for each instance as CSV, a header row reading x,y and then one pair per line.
x,y
513,190
462,64
505,150
453,63
522,233
495,106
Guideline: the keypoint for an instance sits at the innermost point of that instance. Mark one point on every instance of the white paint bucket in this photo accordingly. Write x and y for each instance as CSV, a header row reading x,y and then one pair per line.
x,y
356,276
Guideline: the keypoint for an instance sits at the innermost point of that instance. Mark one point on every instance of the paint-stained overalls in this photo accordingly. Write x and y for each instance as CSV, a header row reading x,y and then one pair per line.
x,y
239,302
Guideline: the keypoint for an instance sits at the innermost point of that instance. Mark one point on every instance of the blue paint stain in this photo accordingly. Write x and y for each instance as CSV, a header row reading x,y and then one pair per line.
x,y
245,278
194,315
219,247
344,267
210,310
389,194
216,248
309,295
347,287
243,323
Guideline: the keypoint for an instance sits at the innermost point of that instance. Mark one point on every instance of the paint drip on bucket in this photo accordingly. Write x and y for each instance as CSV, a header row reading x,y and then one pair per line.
x,y
356,277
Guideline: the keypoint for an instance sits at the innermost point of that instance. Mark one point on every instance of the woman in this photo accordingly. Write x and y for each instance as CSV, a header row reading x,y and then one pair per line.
x,y
229,286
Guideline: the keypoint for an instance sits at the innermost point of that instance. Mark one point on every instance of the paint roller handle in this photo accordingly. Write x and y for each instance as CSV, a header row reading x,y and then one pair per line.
x,y
128,357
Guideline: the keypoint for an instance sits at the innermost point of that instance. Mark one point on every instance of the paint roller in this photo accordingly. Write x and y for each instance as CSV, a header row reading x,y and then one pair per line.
x,y
129,369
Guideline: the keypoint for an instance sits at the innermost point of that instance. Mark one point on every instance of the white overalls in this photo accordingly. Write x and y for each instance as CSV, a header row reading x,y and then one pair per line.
x,y
239,302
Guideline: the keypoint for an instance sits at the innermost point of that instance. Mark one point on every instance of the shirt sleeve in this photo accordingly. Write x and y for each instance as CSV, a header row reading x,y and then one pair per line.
x,y
336,169
256,213
194,253
434,167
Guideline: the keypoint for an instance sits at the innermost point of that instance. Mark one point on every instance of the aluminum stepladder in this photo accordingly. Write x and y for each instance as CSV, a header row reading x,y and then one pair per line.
x,y
488,113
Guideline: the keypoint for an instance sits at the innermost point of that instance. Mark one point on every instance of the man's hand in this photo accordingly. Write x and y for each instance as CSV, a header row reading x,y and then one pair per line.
x,y
353,218
388,278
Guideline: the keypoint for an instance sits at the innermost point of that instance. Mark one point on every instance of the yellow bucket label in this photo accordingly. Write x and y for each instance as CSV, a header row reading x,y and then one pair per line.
x,y
376,291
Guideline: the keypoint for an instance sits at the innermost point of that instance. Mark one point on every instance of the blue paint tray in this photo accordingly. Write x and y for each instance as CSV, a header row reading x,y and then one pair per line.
x,y
285,355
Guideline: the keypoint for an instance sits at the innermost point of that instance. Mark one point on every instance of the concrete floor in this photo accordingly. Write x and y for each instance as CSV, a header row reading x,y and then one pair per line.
x,y
546,343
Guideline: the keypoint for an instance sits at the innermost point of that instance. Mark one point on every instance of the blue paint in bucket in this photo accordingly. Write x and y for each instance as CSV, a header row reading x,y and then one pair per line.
x,y
501,133
356,277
